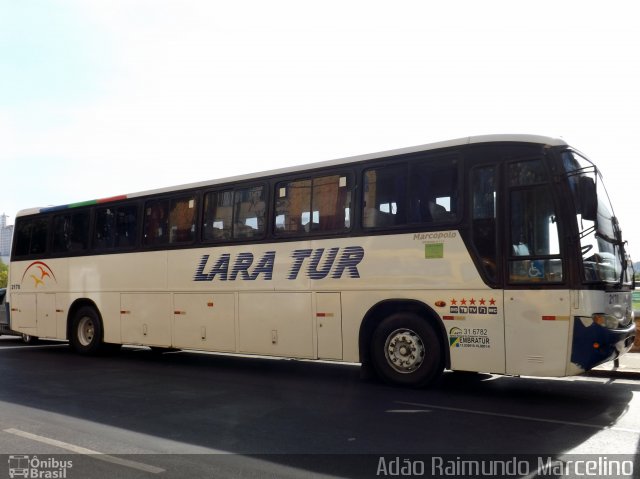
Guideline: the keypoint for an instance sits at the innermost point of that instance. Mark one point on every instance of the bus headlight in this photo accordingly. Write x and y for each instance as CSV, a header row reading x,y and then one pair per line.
x,y
628,318
606,320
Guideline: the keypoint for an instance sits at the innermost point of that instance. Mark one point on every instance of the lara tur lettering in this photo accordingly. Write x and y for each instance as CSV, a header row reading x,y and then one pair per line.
x,y
315,264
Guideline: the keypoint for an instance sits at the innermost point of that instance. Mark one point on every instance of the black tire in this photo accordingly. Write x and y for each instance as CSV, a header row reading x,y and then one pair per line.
x,y
86,331
406,351
28,339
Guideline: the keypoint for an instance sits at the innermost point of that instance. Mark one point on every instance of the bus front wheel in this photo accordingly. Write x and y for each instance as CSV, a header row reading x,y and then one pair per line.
x,y
405,350
86,331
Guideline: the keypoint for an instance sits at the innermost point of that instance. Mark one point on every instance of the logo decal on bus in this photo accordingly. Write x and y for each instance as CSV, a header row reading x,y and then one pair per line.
x,y
473,306
469,338
319,264
40,273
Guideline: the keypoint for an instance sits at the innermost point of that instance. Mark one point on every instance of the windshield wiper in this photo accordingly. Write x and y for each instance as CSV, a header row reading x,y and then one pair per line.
x,y
623,254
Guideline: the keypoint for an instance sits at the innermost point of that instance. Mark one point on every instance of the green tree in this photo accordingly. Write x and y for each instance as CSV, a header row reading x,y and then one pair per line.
x,y
4,274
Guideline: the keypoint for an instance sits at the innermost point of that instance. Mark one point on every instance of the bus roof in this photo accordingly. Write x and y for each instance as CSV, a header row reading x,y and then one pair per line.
x,y
513,138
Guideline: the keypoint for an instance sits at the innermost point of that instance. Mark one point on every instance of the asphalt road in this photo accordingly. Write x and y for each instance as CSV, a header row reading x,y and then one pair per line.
x,y
187,414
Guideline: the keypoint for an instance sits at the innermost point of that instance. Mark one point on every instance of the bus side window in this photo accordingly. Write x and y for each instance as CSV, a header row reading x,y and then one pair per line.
x,y
115,227
434,191
293,203
104,234
249,211
30,236
182,220
234,214
22,237
71,232
218,214
126,226
39,236
321,204
385,192
156,222
484,213
330,203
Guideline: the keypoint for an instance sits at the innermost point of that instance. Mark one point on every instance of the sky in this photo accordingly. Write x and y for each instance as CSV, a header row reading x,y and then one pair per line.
x,y
104,97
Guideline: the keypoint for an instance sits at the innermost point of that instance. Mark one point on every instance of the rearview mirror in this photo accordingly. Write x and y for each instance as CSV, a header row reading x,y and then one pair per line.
x,y
588,198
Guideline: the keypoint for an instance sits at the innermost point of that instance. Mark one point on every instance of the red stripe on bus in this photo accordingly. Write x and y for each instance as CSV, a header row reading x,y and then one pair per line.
x,y
113,198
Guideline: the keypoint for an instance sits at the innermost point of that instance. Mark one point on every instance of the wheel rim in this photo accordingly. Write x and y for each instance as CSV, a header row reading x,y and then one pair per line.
x,y
404,350
86,331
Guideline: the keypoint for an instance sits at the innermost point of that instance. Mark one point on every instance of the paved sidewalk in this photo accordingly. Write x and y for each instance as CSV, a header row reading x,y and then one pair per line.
x,y
628,367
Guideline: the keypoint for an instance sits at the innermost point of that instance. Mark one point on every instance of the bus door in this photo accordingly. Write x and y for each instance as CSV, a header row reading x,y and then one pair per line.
x,y
480,345
537,307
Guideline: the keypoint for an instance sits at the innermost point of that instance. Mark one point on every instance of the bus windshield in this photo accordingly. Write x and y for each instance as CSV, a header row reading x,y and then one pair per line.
x,y
602,248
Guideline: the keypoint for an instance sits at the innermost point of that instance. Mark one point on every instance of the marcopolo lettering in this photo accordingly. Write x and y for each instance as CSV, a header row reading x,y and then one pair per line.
x,y
438,235
319,263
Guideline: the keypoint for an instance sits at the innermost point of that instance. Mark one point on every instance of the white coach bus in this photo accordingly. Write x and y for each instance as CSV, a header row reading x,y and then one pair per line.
x,y
498,254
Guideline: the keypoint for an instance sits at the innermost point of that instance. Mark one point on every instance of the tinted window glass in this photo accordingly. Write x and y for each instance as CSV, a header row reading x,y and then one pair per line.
x,y
39,237
30,236
116,227
182,220
218,215
156,222
126,226
170,221
331,203
22,237
419,193
248,211
293,207
534,230
433,196
71,232
235,214
527,173
385,193
484,211
534,233
321,204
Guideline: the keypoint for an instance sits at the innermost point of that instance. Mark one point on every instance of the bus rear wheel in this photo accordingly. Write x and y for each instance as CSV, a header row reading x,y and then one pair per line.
x,y
406,350
86,331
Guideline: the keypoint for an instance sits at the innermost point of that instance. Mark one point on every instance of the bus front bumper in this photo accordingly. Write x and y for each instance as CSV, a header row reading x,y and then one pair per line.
x,y
594,344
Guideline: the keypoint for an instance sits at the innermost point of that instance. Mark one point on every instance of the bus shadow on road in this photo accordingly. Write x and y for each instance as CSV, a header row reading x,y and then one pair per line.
x,y
278,411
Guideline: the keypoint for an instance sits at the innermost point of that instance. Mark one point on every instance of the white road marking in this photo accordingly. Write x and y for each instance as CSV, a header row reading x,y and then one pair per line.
x,y
522,418
407,411
36,346
88,452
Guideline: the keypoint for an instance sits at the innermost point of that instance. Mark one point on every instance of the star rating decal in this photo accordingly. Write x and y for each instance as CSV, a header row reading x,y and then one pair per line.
x,y
473,305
